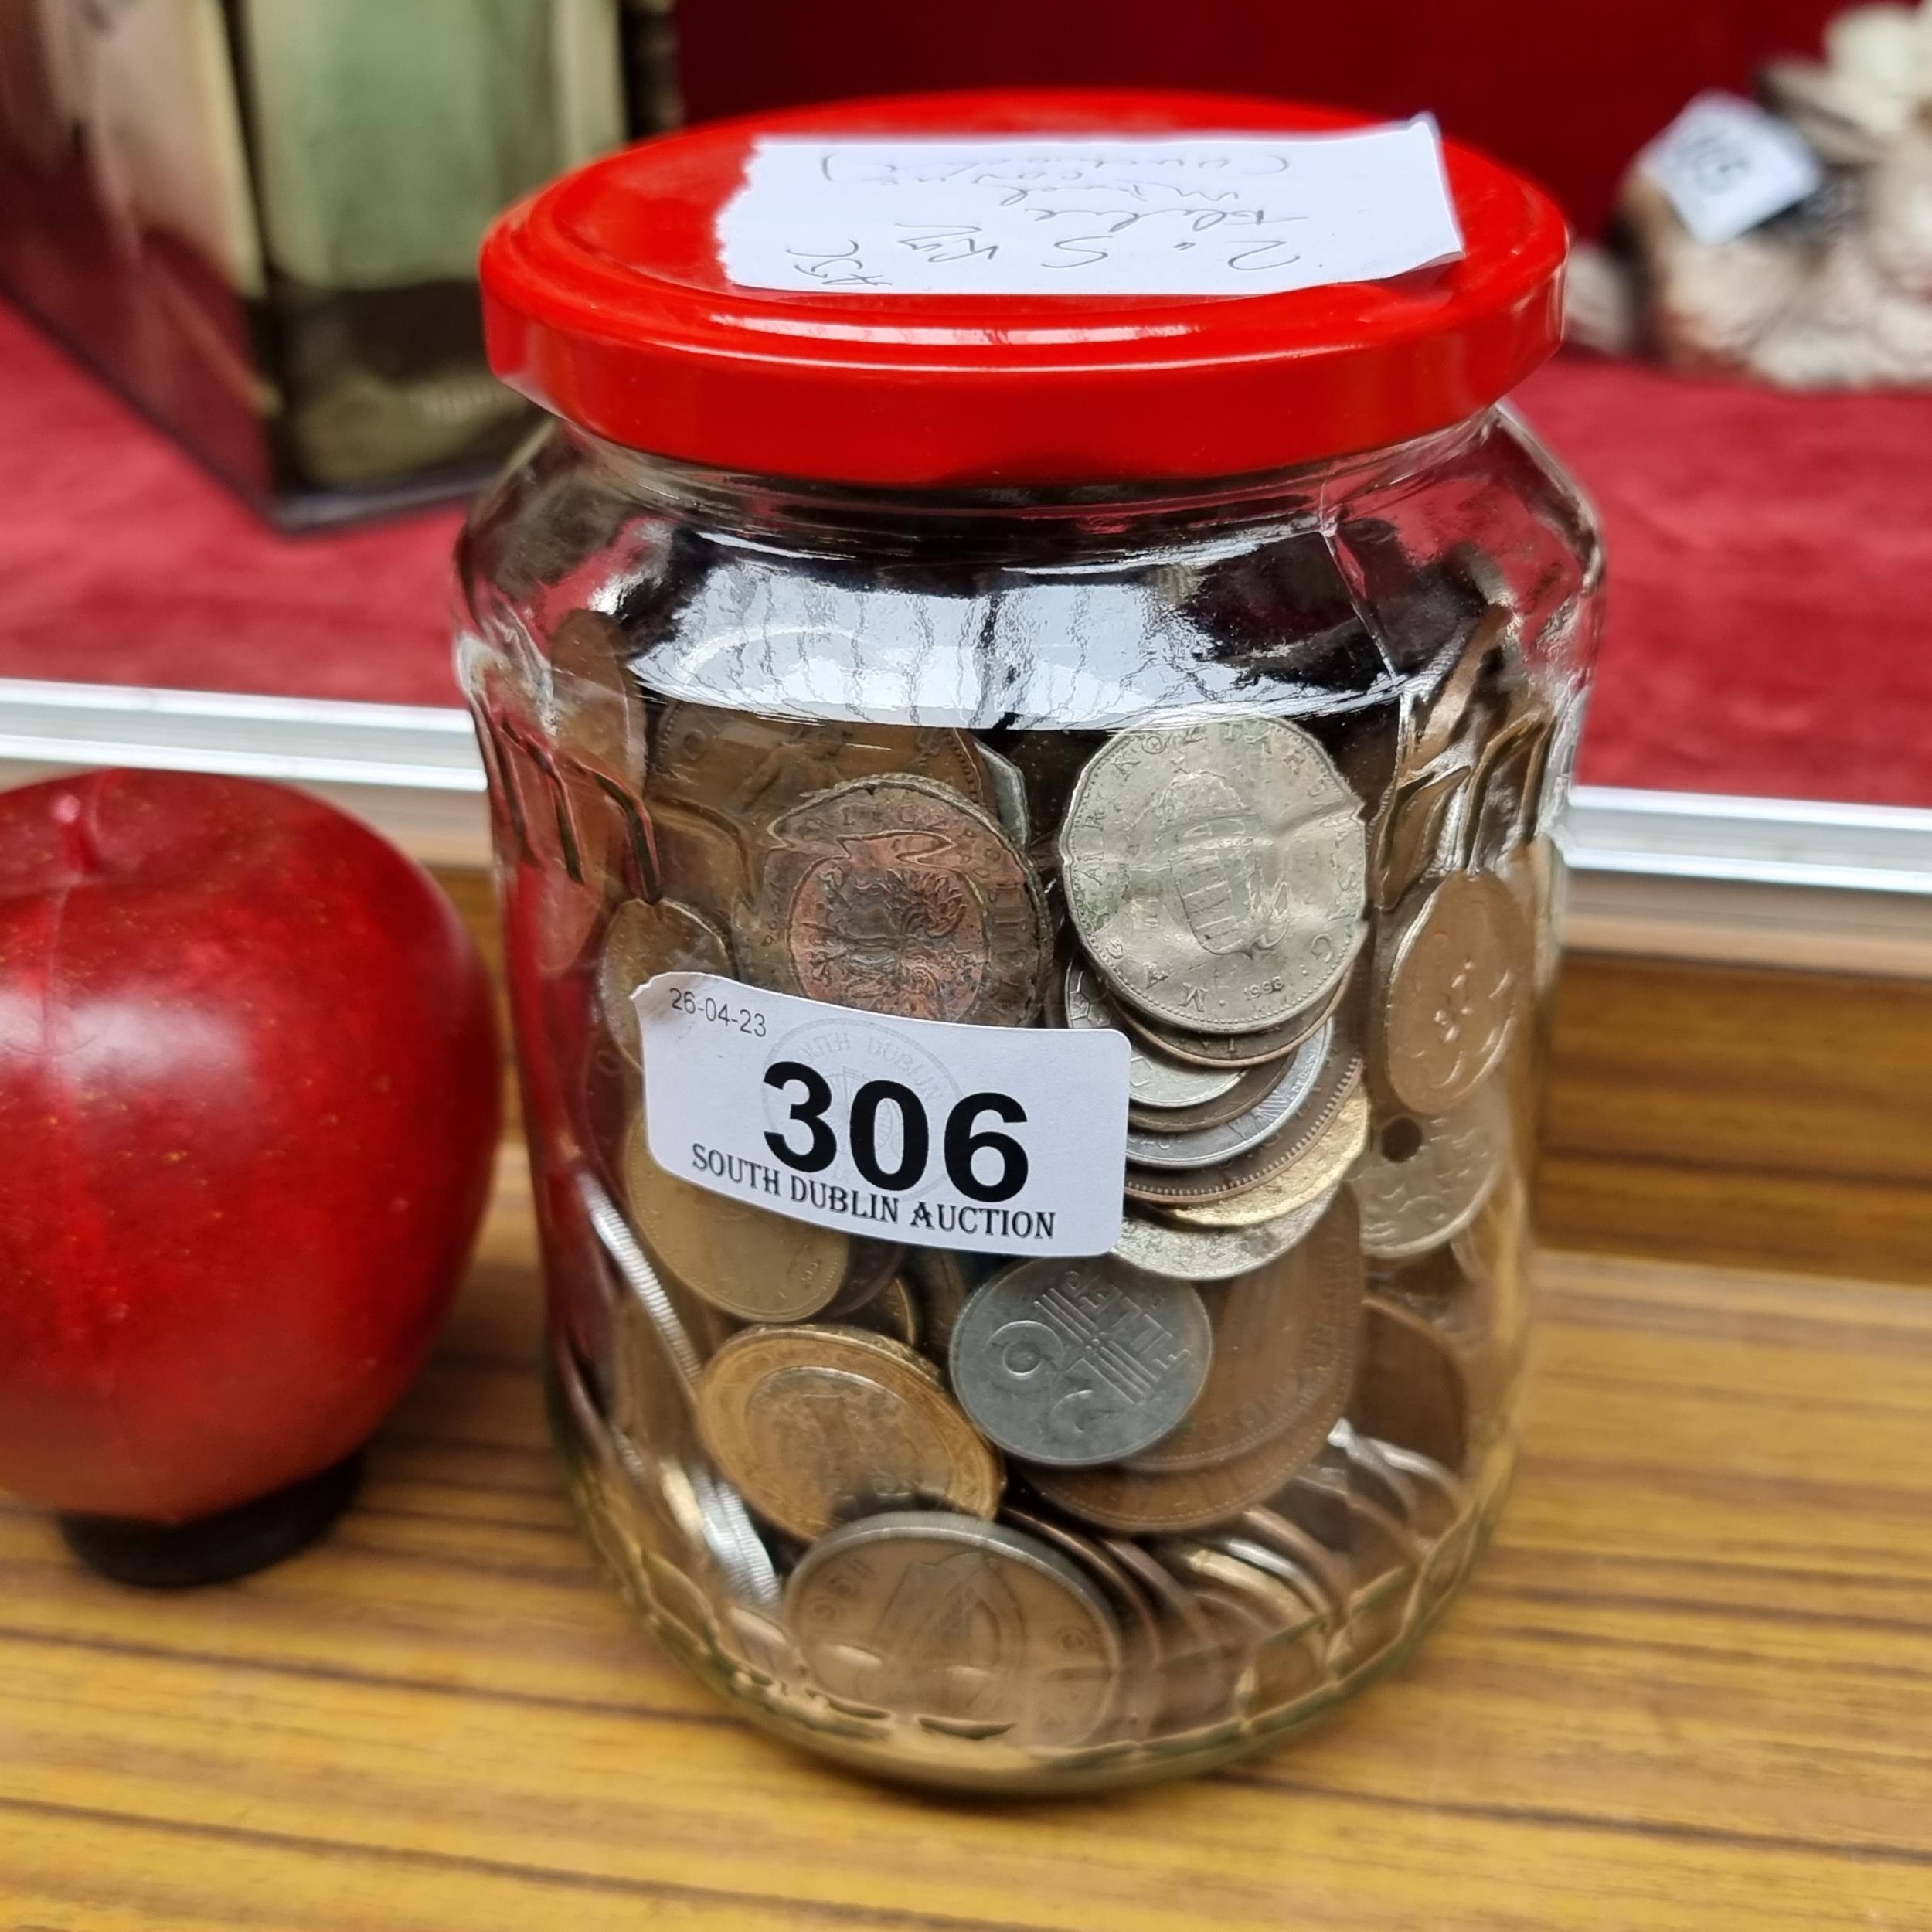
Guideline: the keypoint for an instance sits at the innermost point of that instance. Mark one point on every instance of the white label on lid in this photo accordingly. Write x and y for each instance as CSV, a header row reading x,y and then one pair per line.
x,y
1003,1139
1727,165
1200,215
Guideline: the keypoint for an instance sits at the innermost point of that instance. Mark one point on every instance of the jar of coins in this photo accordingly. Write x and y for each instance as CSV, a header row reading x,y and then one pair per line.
x,y
1027,694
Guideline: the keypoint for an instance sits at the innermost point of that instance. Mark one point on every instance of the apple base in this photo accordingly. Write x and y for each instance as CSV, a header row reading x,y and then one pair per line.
x,y
218,1549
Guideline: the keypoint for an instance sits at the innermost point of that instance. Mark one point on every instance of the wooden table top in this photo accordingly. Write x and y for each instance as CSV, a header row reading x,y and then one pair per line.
x,y
1690,1688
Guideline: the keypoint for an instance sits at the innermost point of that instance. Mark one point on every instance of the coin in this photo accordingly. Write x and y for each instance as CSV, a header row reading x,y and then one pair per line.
x,y
1267,1528
1422,1181
1185,1254
1411,839
1145,1502
944,1280
1216,872
1275,1630
1341,1075
1284,1348
895,1313
1253,1088
1198,1671
1437,699
597,718
816,1425
869,1271
1007,784
642,941
696,859
1452,981
960,1625
1286,1090
1152,1078
895,896
1242,1050
1072,1362
1307,1182
1411,1390
750,768
756,1265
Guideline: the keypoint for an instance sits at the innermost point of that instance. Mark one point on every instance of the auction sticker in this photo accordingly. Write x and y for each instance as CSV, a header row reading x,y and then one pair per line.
x,y
1008,1140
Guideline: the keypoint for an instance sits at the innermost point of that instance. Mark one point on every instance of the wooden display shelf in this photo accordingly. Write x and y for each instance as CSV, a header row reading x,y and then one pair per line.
x,y
1689,1690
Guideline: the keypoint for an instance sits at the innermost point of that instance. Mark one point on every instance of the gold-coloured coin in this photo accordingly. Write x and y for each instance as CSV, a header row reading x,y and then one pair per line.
x,y
1453,978
816,1425
1285,1340
642,941
895,896
1146,1502
1318,1172
943,1282
752,768
1415,832
756,1265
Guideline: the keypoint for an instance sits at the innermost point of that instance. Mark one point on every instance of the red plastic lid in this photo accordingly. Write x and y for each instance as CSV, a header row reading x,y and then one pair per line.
x,y
604,301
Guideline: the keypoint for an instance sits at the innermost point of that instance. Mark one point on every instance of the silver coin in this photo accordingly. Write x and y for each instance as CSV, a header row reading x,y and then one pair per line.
x,y
1212,1254
1072,1362
1216,872
1007,784
1210,1146
958,1625
1422,1181
1152,1078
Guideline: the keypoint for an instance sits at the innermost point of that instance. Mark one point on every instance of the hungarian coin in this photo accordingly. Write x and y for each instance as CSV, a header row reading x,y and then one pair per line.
x,y
1242,1049
1285,1343
816,1425
1411,1390
756,1265
1422,1181
1452,979
1340,1077
750,767
643,940
1216,872
1007,784
1287,1091
1183,1253
895,896
957,1624
1071,1362
1303,1188
1152,1078
599,720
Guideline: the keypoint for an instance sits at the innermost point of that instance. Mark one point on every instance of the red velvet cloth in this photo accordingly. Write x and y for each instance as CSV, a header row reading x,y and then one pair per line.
x,y
1770,626
1566,92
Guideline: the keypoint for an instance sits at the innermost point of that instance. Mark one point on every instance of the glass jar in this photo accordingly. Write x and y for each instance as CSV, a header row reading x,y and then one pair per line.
x,y
1166,702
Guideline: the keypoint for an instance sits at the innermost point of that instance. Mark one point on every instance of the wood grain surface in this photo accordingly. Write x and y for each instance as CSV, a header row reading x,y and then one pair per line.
x,y
1690,1691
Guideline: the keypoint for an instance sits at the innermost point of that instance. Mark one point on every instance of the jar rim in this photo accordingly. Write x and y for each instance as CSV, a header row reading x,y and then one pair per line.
x,y
605,302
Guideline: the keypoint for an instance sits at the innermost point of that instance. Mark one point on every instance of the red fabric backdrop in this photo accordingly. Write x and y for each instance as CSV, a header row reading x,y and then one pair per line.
x,y
1567,90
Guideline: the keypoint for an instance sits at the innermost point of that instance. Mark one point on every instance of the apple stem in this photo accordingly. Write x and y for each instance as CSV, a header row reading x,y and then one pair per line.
x,y
75,822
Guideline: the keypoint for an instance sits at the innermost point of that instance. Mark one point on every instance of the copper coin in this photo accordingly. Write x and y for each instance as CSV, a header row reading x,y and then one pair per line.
x,y
943,1280
642,941
895,896
599,721
817,1425
751,768
1242,1050
1452,977
1199,1670
1340,1077
1410,1389
1285,1340
894,1314
696,858
1316,1174
756,1265
1145,1502
1414,838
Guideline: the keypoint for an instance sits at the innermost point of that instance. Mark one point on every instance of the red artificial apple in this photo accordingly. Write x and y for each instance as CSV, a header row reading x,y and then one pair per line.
x,y
248,1109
